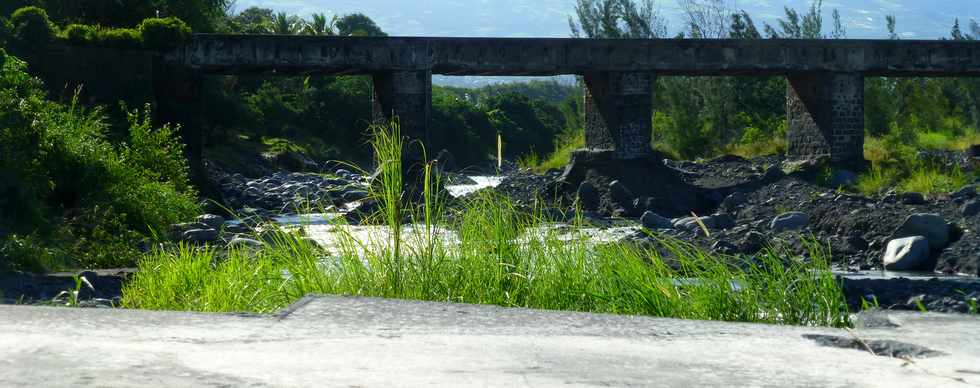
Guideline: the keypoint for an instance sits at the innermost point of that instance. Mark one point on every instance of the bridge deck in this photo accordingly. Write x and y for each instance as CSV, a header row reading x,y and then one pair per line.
x,y
237,54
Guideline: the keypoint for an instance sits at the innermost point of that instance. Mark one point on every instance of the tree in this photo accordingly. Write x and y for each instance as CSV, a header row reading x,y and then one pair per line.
x,y
813,21
890,25
616,19
743,27
358,24
791,26
287,25
839,31
956,33
253,20
707,18
320,26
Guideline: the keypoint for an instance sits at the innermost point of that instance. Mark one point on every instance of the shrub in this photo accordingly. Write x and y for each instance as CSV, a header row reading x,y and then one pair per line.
x,y
80,34
73,192
164,34
32,25
6,31
121,38
27,253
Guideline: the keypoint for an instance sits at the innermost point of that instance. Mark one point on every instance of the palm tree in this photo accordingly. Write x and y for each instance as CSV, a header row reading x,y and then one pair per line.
x,y
286,25
319,26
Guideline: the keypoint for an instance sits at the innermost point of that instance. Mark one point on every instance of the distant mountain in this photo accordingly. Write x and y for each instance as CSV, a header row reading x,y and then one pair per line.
x,y
917,19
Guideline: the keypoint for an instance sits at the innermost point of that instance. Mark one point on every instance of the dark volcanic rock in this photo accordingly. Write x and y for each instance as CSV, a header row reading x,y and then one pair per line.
x,y
641,178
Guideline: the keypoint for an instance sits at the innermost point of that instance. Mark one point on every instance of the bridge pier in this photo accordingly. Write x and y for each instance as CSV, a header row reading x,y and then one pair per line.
x,y
825,116
617,113
408,96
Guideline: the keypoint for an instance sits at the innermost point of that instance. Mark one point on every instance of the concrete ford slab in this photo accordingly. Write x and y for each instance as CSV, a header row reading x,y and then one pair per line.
x,y
339,341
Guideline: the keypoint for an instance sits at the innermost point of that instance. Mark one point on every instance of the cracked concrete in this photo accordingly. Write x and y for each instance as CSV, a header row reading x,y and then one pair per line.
x,y
341,341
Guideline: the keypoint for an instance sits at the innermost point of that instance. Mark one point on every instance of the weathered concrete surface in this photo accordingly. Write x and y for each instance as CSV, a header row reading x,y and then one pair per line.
x,y
406,95
617,113
552,56
336,341
825,116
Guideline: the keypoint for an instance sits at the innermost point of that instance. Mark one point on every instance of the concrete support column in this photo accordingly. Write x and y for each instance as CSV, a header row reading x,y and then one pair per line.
x,y
618,113
178,102
825,116
408,96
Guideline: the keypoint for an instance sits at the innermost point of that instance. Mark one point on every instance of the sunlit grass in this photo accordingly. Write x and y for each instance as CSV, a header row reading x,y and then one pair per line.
x,y
772,146
561,156
499,255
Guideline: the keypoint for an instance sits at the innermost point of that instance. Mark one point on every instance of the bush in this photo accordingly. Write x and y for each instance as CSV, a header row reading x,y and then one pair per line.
x,y
6,31
75,194
164,34
121,38
32,25
80,34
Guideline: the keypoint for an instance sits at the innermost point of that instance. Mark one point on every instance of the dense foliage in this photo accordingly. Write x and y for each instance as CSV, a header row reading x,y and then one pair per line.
x,y
70,197
164,34
32,26
201,15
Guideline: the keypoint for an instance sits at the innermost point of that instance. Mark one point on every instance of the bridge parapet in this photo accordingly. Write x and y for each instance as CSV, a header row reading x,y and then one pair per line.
x,y
552,56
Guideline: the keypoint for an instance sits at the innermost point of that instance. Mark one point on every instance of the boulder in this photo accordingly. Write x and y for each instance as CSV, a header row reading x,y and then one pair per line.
x,y
974,151
724,247
211,220
651,220
691,223
752,242
200,235
177,230
644,204
735,200
723,221
620,194
966,192
843,178
445,160
354,195
907,254
971,208
292,161
789,221
931,226
243,242
913,199
588,196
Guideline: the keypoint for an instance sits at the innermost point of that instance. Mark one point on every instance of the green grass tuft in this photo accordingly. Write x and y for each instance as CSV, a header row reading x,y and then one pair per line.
x,y
496,254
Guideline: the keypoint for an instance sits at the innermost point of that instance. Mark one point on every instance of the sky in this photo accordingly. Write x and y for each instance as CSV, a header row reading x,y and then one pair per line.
x,y
917,19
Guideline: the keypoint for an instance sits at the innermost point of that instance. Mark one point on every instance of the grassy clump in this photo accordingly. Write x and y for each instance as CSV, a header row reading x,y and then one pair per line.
x,y
32,26
70,197
896,163
498,254
165,33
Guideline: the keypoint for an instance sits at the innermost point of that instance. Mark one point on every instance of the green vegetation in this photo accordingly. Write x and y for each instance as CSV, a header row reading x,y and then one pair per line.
x,y
707,116
164,34
29,29
70,197
503,256
32,26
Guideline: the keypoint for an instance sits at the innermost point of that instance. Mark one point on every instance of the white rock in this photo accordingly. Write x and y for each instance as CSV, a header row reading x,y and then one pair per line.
x,y
907,254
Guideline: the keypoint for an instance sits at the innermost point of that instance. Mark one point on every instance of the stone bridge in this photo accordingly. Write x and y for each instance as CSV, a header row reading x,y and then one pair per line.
x,y
824,105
